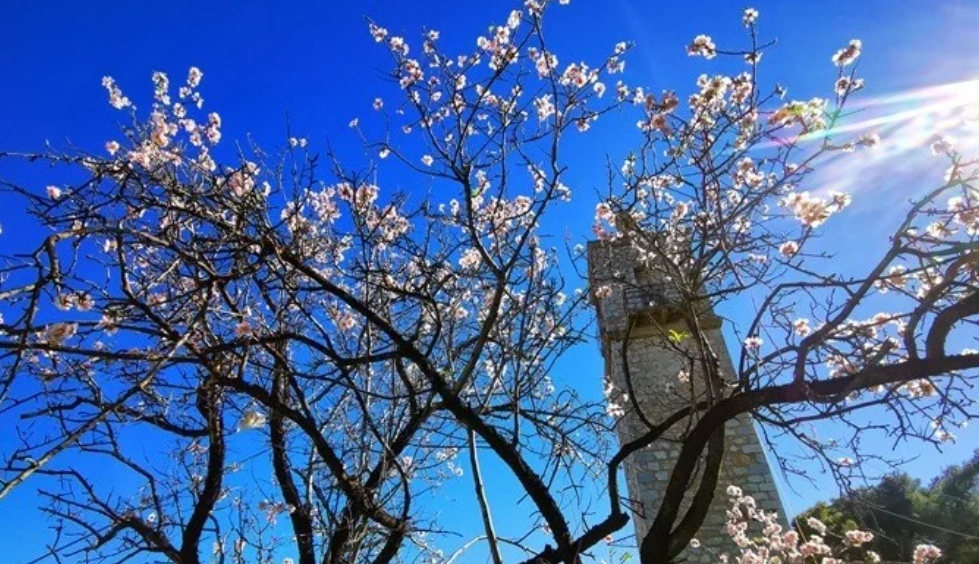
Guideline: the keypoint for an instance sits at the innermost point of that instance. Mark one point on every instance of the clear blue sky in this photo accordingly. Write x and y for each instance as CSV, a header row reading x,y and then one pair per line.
x,y
314,63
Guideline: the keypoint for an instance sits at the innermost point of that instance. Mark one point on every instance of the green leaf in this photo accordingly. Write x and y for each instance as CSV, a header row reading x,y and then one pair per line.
x,y
677,337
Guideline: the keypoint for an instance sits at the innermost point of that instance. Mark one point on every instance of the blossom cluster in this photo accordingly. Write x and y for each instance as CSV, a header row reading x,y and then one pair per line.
x,y
156,144
761,539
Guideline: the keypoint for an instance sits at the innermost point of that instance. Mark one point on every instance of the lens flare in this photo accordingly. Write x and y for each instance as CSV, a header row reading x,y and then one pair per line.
x,y
908,123
917,115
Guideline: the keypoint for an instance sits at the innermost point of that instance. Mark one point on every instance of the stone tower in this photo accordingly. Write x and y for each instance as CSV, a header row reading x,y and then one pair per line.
x,y
640,305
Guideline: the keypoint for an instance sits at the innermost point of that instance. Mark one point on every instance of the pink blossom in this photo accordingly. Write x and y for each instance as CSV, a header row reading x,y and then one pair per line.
x,y
801,327
788,249
848,54
702,46
926,553
194,76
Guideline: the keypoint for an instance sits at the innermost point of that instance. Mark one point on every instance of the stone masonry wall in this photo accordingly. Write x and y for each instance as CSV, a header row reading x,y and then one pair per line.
x,y
654,364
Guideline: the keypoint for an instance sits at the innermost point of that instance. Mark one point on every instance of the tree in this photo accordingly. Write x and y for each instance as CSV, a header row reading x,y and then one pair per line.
x,y
362,339
902,513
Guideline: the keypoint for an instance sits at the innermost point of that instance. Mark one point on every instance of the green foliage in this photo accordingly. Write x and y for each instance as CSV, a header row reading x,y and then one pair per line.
x,y
902,513
677,337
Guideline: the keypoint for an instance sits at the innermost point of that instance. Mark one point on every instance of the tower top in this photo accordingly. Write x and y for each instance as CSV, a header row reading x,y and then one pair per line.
x,y
628,289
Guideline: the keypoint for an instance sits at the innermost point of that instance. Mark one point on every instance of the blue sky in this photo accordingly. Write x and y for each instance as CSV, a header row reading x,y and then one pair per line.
x,y
313,64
